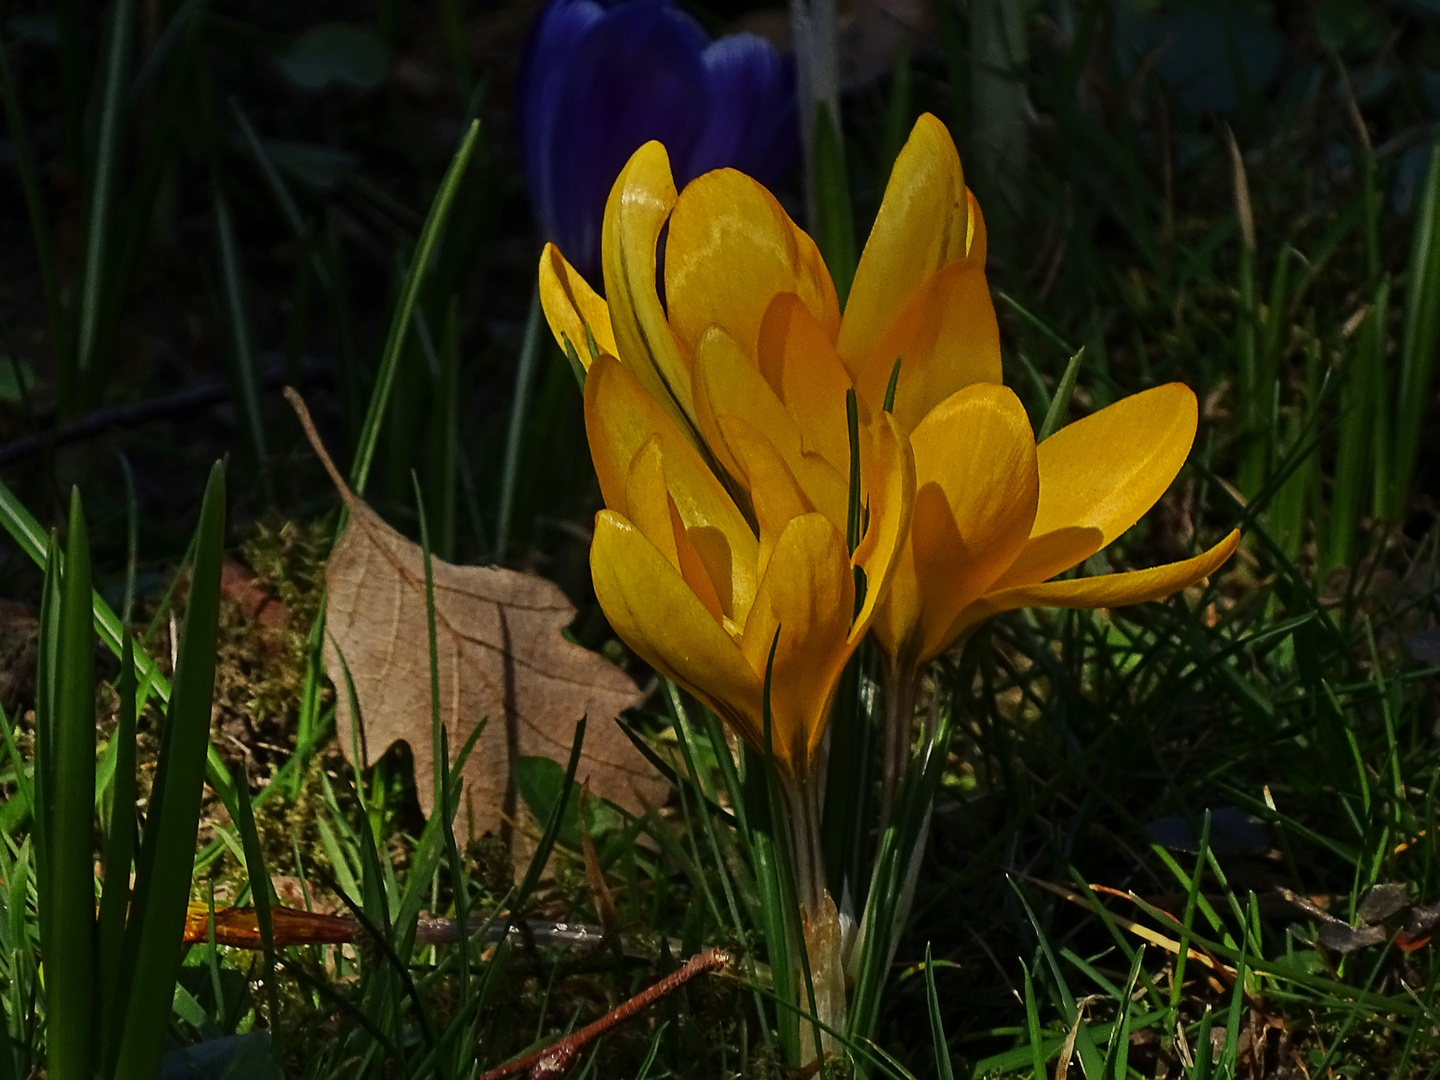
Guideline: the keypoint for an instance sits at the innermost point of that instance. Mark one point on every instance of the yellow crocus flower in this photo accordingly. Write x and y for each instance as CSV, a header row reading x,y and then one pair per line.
x,y
703,597
748,335
748,353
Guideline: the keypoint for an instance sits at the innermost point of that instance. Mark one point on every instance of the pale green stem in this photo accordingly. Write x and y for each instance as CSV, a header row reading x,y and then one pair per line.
x,y
820,923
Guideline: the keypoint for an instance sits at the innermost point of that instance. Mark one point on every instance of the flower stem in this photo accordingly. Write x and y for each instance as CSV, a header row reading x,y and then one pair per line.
x,y
821,981
902,683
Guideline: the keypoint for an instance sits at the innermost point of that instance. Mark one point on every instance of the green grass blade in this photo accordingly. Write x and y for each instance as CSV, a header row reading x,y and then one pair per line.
x,y
835,227
514,436
1060,402
447,433
400,323
1035,1040
102,180
68,748
47,662
260,896
164,48
119,857
242,349
276,183
943,1067
162,878
1421,339
1360,400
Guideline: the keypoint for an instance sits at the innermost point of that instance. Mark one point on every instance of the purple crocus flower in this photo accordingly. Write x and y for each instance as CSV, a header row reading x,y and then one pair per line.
x,y
602,77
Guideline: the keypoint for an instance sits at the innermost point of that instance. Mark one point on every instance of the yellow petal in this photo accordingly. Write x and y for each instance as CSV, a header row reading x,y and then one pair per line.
x,y
1100,474
1105,471
620,420
888,472
653,511
976,239
655,613
694,569
900,626
774,492
647,502
807,595
730,249
977,489
796,355
1107,590
1051,553
922,225
570,304
946,337
637,209
728,383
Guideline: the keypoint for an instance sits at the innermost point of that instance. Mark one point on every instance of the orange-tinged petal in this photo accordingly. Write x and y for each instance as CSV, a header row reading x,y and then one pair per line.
x,y
1106,590
570,304
620,420
653,610
977,488
976,239
888,473
796,356
647,502
730,249
727,383
693,567
638,207
921,226
774,492
653,511
913,607
946,337
807,595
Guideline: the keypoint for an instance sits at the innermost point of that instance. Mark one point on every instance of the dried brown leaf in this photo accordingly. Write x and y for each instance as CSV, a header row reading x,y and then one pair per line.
x,y
501,656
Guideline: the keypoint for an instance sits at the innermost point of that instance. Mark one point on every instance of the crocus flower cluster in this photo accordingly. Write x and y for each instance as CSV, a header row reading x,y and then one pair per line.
x,y
602,77
734,413
742,373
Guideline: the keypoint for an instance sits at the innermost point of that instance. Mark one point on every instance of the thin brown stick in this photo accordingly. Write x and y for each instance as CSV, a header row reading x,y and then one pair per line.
x,y
556,1059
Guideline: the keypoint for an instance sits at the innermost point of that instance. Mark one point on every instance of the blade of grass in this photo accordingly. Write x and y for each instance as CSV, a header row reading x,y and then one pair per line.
x,y
162,877
400,322
1421,340
119,857
67,919
102,179
1060,403
261,898
242,350
163,48
1361,398
835,224
1036,1041
447,432
514,435
943,1067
